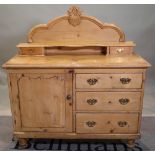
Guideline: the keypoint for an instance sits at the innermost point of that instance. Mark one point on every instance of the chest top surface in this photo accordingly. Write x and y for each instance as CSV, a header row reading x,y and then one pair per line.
x,y
76,40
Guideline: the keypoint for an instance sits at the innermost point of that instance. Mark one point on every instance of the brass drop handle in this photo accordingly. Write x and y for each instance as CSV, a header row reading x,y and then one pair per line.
x,y
124,101
122,123
125,80
92,101
69,97
92,81
90,123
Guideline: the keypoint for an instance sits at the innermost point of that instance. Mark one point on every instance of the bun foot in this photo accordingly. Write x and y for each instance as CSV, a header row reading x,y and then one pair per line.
x,y
131,144
23,143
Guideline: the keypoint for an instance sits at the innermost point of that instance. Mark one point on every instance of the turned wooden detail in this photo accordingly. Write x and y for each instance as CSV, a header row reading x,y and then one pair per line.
x,y
23,143
131,143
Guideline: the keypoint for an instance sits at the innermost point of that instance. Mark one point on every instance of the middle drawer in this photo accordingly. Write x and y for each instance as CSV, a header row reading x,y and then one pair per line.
x,y
120,101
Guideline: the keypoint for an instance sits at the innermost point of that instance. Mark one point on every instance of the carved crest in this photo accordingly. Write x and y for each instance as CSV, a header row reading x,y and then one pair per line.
x,y
74,14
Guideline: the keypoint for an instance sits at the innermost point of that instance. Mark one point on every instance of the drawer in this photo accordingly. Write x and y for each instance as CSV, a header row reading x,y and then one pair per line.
x,y
120,50
111,101
108,81
31,51
107,123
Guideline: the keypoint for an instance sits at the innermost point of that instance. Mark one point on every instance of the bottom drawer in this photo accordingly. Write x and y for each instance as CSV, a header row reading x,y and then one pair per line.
x,y
107,123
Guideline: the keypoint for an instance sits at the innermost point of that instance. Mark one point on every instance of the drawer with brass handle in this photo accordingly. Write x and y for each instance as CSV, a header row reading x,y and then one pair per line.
x,y
107,123
104,81
120,50
111,101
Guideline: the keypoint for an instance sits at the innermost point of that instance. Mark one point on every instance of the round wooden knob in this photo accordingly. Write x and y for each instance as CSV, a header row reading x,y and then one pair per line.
x,y
69,97
120,50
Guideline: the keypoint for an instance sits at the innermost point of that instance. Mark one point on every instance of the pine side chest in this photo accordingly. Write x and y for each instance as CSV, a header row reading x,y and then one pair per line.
x,y
76,78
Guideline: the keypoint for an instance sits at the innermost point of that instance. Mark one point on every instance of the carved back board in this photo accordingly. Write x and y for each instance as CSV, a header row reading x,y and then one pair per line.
x,y
75,27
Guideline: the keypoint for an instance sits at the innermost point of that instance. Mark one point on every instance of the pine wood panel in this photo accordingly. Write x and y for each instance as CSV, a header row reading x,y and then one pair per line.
x,y
108,81
63,31
14,101
106,123
111,101
43,101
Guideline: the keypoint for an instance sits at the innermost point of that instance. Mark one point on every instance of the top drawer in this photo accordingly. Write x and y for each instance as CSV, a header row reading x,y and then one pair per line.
x,y
109,81
121,50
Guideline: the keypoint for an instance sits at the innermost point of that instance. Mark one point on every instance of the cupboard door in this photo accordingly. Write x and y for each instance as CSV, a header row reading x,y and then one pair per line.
x,y
44,104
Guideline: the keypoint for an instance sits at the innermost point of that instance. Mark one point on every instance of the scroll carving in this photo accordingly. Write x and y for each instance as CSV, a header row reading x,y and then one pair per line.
x,y
74,16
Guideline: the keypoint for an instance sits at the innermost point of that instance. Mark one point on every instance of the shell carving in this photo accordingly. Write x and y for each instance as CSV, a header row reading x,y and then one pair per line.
x,y
74,14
